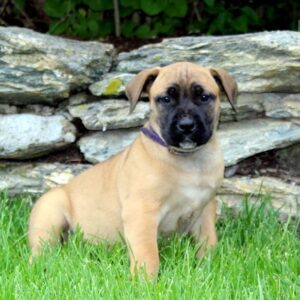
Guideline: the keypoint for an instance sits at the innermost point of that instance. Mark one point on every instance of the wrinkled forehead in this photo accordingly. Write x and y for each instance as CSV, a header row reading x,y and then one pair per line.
x,y
184,75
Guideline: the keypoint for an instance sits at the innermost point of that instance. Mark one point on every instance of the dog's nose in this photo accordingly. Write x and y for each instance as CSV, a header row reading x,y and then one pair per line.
x,y
186,125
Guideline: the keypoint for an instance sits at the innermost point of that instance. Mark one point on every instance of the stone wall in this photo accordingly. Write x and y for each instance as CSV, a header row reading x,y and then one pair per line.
x,y
57,94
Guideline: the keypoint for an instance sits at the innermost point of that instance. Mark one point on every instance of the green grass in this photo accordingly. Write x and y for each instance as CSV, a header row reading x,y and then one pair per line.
x,y
256,258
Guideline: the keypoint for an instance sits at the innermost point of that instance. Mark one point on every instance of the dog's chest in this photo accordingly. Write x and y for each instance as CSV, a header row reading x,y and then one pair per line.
x,y
183,207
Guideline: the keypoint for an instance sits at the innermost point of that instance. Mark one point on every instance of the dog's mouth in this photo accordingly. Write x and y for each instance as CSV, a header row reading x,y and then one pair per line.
x,y
187,141
188,145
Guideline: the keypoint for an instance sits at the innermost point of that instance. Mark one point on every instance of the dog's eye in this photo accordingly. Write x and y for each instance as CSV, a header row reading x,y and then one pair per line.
x,y
198,90
172,91
164,99
205,98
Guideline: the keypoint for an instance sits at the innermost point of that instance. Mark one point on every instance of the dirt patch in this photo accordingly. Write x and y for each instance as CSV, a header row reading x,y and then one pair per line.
x,y
263,164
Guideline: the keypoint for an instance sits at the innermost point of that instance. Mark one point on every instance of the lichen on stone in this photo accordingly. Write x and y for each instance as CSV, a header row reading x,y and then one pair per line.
x,y
113,87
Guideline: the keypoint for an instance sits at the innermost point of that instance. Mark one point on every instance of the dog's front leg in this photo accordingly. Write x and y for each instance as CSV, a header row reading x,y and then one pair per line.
x,y
204,230
140,231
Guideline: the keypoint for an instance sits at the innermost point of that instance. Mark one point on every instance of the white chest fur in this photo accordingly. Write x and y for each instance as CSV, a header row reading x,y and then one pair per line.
x,y
183,207
191,191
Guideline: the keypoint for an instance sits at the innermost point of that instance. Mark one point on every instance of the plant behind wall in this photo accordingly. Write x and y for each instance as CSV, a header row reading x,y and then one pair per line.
x,y
91,19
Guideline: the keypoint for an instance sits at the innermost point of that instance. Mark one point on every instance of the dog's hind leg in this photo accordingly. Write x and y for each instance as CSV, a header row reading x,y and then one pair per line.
x,y
48,219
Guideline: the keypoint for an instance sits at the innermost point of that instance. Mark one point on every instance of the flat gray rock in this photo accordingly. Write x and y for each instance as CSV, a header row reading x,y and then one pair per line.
x,y
77,99
238,140
248,106
37,67
37,109
283,107
111,84
254,105
284,197
6,109
114,113
100,146
18,179
246,138
26,135
22,178
110,114
260,62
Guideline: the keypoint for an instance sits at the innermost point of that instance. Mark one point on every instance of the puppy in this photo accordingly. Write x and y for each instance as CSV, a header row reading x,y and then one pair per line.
x,y
165,181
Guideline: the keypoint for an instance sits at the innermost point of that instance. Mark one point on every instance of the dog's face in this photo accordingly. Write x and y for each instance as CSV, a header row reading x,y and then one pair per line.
x,y
184,100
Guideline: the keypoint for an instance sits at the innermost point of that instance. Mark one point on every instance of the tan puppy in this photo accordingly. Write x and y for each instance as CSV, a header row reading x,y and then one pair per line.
x,y
165,181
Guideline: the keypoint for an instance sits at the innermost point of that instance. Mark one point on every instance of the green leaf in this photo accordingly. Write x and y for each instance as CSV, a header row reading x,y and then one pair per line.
x,y
160,27
144,32
195,27
58,27
18,8
58,8
80,26
153,7
106,28
218,24
214,10
135,4
93,27
250,14
127,28
126,11
177,8
209,3
166,26
20,4
99,5
82,12
241,24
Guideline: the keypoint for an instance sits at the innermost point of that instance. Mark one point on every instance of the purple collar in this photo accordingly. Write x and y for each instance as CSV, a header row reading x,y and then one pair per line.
x,y
152,135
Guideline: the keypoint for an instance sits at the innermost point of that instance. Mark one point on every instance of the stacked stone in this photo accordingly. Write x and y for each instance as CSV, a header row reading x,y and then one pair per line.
x,y
49,83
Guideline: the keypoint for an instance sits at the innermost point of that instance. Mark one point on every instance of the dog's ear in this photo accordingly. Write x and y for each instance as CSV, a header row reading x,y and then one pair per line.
x,y
140,83
227,83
